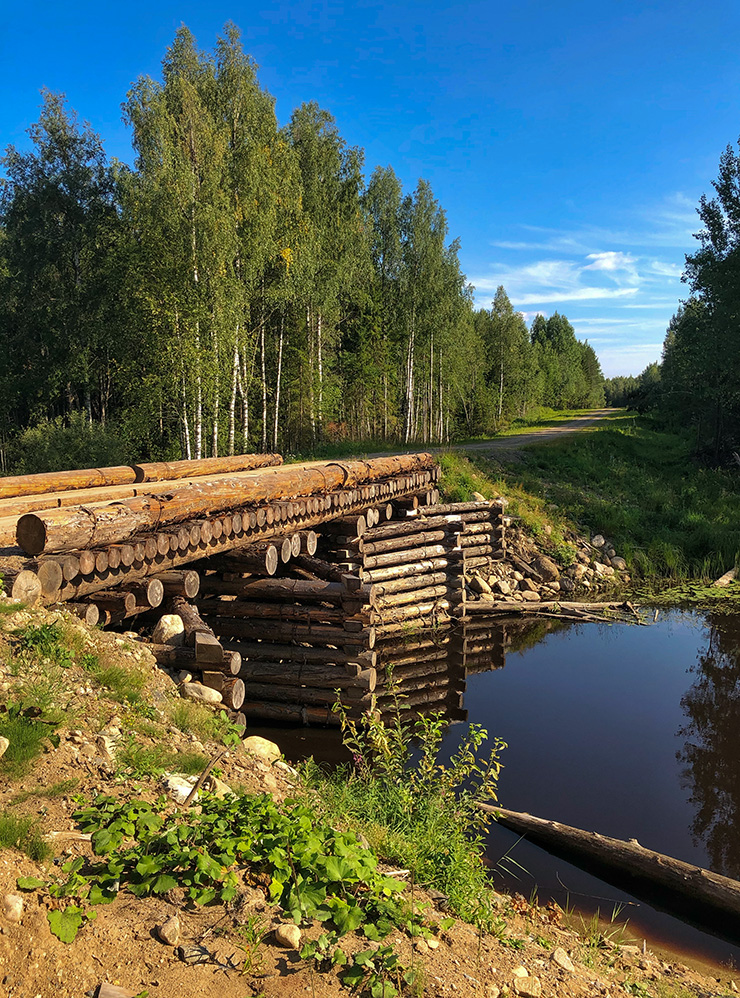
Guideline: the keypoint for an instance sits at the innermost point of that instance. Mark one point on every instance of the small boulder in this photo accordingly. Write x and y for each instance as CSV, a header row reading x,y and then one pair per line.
x,y
169,931
12,907
479,497
528,987
530,597
179,787
263,748
479,585
527,586
288,935
603,570
170,630
598,541
546,567
618,562
502,586
200,693
4,746
567,585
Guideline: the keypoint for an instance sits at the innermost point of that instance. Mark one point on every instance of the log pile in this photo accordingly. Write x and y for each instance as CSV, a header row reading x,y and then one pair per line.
x,y
75,541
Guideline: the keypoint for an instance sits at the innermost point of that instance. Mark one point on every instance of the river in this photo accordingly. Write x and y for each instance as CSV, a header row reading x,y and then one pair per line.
x,y
630,731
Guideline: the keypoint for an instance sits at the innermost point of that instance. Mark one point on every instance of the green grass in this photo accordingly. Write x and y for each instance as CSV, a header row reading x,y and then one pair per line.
x,y
26,735
59,789
124,684
24,834
153,760
670,517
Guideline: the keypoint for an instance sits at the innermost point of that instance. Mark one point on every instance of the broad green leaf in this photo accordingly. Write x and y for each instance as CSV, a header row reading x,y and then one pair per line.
x,y
66,924
29,883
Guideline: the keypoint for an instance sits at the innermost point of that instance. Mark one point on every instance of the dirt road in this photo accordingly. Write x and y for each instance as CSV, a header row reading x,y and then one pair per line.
x,y
518,440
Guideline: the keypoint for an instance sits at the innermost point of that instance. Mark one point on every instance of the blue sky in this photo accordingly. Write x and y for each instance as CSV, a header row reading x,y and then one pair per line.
x,y
568,142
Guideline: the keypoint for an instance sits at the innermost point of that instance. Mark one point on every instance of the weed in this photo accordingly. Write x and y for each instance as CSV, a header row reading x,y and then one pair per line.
x,y
124,684
249,938
24,834
195,719
138,761
60,789
415,810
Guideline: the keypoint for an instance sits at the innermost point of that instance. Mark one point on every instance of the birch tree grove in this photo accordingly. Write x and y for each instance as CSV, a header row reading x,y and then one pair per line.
x,y
242,287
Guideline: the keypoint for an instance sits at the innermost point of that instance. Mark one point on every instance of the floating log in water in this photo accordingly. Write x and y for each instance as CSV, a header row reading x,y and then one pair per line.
x,y
699,894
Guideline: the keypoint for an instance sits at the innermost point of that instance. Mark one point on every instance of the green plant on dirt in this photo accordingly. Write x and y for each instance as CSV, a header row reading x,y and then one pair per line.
x,y
204,723
24,834
414,809
249,938
124,684
147,848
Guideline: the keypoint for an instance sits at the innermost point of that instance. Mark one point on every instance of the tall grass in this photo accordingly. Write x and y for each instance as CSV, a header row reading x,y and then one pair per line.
x,y
638,485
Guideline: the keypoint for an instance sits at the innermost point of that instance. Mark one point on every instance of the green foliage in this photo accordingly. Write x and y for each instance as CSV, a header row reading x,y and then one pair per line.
x,y
73,441
414,809
123,683
27,734
138,761
24,834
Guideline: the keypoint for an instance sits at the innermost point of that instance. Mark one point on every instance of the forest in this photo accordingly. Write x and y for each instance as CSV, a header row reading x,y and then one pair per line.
x,y
243,286
697,383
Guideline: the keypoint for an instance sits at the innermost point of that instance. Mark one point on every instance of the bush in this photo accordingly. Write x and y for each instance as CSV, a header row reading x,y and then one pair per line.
x,y
74,442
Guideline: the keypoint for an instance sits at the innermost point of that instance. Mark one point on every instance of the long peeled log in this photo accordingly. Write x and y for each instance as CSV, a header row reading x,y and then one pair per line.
x,y
685,887
167,471
72,528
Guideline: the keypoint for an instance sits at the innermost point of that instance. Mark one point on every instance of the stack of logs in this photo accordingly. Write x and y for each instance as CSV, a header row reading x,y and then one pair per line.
x,y
72,543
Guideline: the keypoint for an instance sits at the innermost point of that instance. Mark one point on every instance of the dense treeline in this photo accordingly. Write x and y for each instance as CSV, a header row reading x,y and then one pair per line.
x,y
697,384
243,287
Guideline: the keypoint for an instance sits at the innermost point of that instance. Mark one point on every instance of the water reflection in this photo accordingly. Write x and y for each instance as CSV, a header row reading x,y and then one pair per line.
x,y
711,752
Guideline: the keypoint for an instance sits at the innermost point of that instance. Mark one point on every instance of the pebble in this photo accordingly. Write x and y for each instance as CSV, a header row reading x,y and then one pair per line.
x,y
169,931
13,907
433,943
193,954
528,987
561,958
288,935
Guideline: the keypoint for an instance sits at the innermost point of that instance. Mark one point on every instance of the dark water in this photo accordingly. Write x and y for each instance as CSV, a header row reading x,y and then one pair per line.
x,y
630,731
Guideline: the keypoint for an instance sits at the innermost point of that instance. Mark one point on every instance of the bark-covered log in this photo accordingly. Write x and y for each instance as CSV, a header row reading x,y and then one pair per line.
x,y
270,651
402,543
333,677
319,634
180,582
414,596
116,602
381,590
88,612
689,889
305,613
280,590
77,527
407,571
61,481
166,471
231,688
303,694
169,655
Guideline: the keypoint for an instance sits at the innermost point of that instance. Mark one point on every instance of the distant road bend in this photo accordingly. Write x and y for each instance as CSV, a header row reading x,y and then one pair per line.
x,y
518,440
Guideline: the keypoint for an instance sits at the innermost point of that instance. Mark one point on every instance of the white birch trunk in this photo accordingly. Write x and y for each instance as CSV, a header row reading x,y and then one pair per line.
x,y
278,378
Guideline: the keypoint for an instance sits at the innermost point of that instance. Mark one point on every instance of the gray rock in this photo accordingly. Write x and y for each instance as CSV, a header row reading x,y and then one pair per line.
x,y
179,787
169,631
546,568
479,585
567,585
603,570
169,931
618,562
598,541
502,586
193,954
528,987
530,597
289,935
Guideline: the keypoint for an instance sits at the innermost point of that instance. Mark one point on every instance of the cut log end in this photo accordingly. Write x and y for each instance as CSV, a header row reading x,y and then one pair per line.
x,y
30,534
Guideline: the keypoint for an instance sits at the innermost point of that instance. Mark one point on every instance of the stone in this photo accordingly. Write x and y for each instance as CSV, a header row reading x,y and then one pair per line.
x,y
546,567
518,576
200,693
4,745
579,571
530,597
433,943
263,748
283,767
183,676
527,586
420,945
502,586
528,987
479,497
169,931
219,788
567,585
179,787
193,954
106,746
170,630
610,552
598,541
12,907
603,570
288,935
618,562
493,991
561,958
479,585
520,971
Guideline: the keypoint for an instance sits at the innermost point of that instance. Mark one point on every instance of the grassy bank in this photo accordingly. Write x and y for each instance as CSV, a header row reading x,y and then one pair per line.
x,y
627,479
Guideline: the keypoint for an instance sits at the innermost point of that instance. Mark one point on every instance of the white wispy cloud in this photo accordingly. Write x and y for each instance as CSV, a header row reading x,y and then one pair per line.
x,y
577,294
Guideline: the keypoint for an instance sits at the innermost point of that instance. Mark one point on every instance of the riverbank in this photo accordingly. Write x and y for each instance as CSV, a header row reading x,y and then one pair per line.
x,y
90,718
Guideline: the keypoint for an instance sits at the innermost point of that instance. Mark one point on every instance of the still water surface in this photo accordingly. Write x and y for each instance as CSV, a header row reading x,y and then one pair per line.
x,y
630,731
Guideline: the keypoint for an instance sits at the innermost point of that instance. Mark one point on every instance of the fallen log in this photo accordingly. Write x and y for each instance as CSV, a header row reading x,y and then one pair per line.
x,y
701,895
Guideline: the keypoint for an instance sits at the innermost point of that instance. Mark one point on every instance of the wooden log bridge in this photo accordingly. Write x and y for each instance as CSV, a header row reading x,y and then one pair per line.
x,y
700,896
